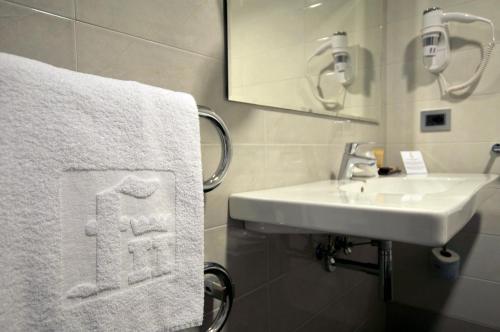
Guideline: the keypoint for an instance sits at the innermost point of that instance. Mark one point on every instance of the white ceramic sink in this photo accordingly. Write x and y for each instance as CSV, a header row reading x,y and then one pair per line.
x,y
425,209
403,185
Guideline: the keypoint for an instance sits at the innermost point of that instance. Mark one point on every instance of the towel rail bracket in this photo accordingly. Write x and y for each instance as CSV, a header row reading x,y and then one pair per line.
x,y
219,285
216,179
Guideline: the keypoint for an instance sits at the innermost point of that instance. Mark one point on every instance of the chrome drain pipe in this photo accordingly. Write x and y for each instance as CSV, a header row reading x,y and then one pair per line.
x,y
383,268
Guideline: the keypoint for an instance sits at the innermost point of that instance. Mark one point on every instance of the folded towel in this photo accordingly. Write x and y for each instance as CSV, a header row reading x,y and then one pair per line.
x,y
101,203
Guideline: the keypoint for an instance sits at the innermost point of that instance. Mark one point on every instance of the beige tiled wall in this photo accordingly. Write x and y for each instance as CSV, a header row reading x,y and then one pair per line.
x,y
475,296
178,45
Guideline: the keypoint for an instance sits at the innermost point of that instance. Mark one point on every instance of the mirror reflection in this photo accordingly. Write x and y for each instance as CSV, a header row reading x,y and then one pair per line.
x,y
319,56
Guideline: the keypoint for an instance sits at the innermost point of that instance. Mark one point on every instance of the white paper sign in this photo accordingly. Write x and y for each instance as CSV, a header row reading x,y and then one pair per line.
x,y
414,162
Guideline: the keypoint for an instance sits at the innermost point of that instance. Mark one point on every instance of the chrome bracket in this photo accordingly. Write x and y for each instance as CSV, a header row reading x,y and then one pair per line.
x,y
382,269
495,148
216,179
218,285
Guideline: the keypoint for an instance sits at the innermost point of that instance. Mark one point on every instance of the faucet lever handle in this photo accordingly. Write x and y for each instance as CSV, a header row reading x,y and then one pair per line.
x,y
352,148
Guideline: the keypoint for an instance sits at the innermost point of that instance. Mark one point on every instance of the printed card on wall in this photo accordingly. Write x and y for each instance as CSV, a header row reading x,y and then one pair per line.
x,y
414,162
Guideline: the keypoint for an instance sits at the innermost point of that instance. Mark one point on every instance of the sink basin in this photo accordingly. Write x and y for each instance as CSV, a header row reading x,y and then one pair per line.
x,y
424,209
403,185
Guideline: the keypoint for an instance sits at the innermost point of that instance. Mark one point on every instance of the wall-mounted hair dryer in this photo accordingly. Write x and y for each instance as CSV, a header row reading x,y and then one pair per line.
x,y
342,64
436,44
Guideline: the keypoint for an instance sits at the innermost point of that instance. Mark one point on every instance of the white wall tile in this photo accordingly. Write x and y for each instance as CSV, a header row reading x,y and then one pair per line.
x,y
244,174
480,255
107,53
36,35
286,128
477,32
246,123
289,164
400,9
64,8
343,15
472,120
187,24
251,22
487,220
458,158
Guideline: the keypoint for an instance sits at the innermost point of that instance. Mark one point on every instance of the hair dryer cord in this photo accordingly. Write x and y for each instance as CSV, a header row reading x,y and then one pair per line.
x,y
332,103
314,88
485,58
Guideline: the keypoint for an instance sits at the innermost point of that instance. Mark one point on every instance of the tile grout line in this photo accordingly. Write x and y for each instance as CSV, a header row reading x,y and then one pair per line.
x,y
467,320
497,283
366,320
75,35
446,103
250,292
413,102
150,40
215,228
115,31
339,298
478,234
16,4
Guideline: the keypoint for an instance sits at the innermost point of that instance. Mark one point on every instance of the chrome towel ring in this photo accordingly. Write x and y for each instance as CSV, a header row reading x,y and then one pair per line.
x,y
218,283
216,179
221,288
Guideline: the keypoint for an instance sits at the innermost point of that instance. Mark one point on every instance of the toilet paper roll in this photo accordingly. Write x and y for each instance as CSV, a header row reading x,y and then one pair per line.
x,y
446,263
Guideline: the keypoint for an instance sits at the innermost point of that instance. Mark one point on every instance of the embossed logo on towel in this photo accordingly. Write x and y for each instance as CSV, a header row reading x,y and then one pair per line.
x,y
118,230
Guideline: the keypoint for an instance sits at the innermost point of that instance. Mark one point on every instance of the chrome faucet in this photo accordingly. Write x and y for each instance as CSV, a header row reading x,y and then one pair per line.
x,y
351,159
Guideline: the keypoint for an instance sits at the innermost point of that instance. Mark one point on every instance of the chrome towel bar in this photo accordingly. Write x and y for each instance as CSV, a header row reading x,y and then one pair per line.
x,y
216,179
218,285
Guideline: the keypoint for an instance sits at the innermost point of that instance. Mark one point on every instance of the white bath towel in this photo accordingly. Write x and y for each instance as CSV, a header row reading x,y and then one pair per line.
x,y
101,203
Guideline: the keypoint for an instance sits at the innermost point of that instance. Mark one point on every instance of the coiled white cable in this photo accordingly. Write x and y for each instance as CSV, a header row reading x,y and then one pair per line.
x,y
332,103
485,58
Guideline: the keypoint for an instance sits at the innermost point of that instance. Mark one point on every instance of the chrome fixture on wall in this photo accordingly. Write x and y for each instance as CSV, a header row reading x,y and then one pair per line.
x,y
495,149
494,154
216,179
436,45
342,65
382,269
351,158
218,283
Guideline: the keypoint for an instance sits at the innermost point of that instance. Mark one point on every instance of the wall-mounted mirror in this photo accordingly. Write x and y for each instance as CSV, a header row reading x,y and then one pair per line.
x,y
318,56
